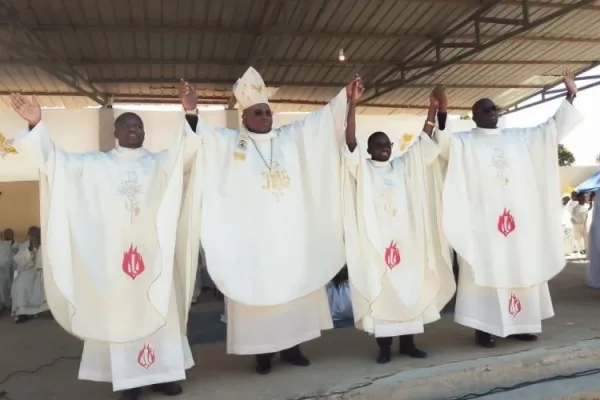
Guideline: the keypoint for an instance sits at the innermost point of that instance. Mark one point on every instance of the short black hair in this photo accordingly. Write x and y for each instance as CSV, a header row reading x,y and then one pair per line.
x,y
121,118
373,137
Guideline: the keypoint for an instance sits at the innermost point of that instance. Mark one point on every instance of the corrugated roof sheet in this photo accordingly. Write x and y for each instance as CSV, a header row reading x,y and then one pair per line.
x,y
136,50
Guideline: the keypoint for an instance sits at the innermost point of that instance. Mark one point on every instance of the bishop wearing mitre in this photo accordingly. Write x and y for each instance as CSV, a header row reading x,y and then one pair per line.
x,y
271,222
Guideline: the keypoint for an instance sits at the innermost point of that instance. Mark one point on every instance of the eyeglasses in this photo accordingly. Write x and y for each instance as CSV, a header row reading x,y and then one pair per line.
x,y
260,113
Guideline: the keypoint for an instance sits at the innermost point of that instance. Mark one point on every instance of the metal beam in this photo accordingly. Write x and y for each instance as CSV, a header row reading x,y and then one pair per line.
x,y
478,45
283,62
548,93
278,32
162,99
168,84
37,48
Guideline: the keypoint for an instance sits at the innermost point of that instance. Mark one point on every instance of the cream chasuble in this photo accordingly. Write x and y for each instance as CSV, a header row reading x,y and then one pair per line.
x,y
398,260
509,248
120,254
272,227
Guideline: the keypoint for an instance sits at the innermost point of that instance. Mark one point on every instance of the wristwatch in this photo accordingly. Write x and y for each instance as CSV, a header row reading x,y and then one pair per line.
x,y
192,112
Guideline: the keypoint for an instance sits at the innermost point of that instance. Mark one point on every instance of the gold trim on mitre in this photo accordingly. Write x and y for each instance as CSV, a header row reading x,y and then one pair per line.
x,y
250,89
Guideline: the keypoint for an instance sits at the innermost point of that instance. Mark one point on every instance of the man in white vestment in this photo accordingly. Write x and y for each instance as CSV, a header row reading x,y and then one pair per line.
x,y
579,221
271,221
120,252
569,244
28,295
7,246
399,263
508,248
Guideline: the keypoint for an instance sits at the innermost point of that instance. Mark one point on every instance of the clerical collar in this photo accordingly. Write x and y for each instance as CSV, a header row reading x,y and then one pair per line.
x,y
487,131
127,152
380,164
262,136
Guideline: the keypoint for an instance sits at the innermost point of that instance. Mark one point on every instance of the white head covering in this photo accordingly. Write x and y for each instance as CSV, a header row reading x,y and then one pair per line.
x,y
250,89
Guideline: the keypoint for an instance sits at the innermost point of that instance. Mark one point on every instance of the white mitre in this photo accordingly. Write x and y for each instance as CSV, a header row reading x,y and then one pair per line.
x,y
250,89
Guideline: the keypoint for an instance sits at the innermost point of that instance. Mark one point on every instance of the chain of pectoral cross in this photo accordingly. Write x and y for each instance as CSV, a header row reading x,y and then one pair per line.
x,y
269,165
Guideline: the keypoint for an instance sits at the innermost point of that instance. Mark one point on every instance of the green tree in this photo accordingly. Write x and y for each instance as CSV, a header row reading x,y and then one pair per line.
x,y
565,157
465,117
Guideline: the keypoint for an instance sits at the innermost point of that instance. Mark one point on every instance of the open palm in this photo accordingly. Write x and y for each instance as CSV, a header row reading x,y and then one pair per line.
x,y
30,111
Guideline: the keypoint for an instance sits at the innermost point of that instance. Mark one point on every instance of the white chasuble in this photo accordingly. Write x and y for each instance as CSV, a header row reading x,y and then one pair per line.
x,y
398,261
512,246
112,272
271,223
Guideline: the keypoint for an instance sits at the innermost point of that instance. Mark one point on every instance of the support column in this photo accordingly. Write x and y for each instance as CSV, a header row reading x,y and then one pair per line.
x,y
232,119
106,130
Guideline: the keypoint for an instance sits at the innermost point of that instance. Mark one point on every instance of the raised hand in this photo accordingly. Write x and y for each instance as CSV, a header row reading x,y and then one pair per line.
x,y
439,94
569,81
355,89
30,111
187,95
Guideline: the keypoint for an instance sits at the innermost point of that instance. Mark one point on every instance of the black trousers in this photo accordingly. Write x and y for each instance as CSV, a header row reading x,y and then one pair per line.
x,y
291,352
406,342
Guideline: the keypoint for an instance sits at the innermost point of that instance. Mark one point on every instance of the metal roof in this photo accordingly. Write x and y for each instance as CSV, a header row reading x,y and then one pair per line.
x,y
76,53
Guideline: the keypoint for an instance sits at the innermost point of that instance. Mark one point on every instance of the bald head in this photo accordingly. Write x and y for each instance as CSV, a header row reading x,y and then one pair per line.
x,y
485,114
129,130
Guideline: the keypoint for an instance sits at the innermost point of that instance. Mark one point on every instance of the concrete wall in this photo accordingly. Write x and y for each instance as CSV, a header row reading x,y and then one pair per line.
x,y
91,129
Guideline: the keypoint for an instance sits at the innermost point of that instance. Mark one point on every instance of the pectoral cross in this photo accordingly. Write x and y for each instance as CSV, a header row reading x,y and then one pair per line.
x,y
276,180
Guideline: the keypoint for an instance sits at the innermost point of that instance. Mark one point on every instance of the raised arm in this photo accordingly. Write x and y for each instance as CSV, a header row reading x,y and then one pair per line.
x,y
438,103
355,90
566,117
189,100
35,139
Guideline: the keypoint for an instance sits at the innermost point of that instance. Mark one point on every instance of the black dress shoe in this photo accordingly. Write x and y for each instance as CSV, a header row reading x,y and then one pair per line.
x,y
414,353
130,394
407,347
168,388
524,337
263,368
384,356
263,363
484,339
21,319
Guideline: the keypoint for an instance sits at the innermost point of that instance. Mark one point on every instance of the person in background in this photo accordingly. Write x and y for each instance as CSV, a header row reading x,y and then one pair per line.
x,y
7,246
28,294
579,216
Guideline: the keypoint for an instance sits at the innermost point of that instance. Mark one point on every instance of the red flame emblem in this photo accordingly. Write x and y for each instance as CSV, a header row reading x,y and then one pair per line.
x,y
506,223
133,263
392,255
514,305
146,356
